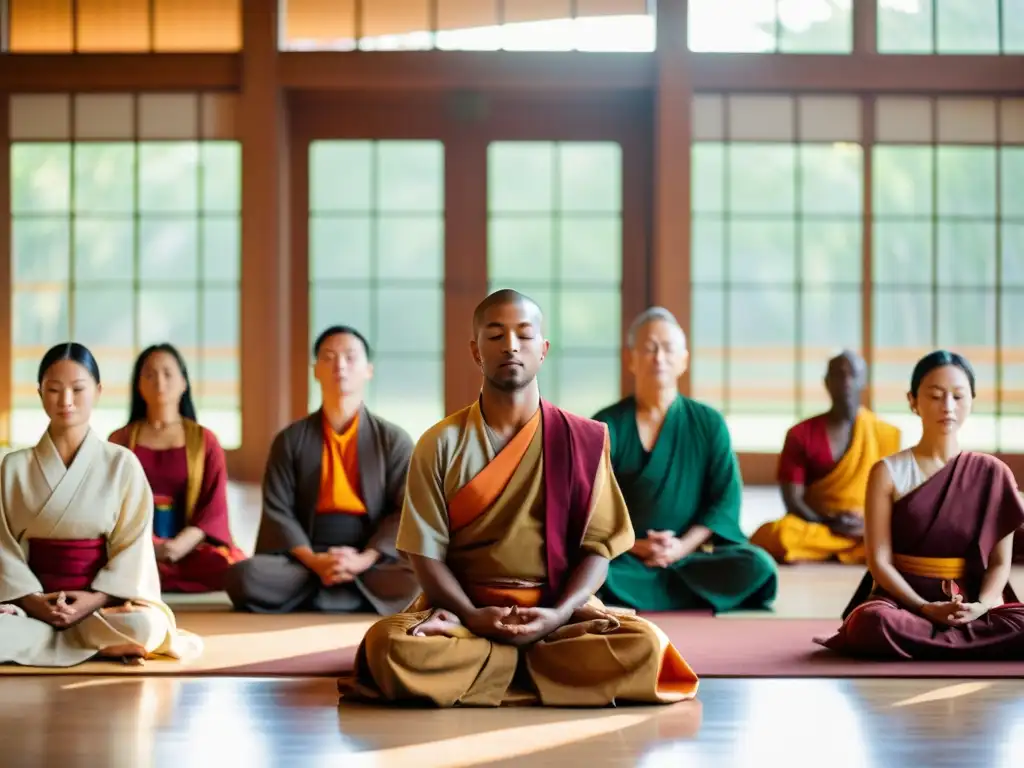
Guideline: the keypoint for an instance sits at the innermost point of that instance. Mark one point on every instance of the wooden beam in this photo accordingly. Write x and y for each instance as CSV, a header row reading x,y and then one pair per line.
x,y
35,73
670,263
867,72
266,375
530,71
474,70
577,71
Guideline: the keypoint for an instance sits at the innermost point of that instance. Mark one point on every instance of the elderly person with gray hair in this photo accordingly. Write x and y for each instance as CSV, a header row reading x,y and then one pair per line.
x,y
673,460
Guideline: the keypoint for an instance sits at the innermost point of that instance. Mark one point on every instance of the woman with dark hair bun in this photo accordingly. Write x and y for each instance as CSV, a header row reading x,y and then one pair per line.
x,y
939,527
185,466
77,574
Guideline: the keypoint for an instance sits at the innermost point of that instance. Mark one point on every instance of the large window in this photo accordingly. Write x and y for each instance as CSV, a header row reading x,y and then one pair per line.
x,y
555,233
951,26
468,25
771,26
125,232
124,26
777,266
949,255
376,262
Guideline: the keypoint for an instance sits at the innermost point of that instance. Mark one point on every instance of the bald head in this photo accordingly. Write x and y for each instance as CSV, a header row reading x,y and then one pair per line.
x,y
503,298
848,358
507,343
845,379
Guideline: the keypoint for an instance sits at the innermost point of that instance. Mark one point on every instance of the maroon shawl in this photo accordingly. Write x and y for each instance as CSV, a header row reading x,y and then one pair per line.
x,y
573,446
961,511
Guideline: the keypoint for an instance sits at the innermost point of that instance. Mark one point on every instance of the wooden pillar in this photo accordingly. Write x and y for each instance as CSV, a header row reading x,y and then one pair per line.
x,y
465,249
265,306
670,266
6,272
865,26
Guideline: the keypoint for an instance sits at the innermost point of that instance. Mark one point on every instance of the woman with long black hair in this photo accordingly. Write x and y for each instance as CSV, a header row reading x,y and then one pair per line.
x,y
186,469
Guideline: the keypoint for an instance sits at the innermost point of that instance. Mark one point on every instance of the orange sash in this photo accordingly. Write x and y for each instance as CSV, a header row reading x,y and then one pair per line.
x,y
477,496
930,567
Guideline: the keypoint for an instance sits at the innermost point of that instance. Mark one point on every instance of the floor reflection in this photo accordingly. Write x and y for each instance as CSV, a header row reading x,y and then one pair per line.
x,y
234,723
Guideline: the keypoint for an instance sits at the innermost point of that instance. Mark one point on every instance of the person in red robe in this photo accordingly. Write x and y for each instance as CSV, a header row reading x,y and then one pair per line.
x,y
939,528
185,466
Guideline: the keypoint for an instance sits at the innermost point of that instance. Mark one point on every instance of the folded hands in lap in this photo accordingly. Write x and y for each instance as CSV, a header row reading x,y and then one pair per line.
x,y
509,625
953,612
339,565
62,610
846,524
659,550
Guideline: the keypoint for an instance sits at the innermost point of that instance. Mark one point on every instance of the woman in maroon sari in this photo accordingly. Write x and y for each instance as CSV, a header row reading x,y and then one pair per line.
x,y
939,526
186,470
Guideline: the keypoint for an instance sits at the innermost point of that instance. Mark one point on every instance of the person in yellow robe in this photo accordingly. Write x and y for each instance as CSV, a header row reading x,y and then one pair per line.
x,y
511,515
78,574
823,473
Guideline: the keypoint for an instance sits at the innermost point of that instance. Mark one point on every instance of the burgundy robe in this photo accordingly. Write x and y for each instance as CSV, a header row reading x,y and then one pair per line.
x,y
962,511
169,473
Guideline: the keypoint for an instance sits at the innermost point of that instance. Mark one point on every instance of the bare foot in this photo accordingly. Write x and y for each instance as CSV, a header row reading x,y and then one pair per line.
x,y
439,623
132,650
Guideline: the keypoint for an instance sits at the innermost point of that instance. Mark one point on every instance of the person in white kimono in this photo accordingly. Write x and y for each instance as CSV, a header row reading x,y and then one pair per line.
x,y
78,576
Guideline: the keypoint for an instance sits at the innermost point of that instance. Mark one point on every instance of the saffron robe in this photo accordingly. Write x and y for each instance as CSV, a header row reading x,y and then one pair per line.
x,y
830,486
273,581
944,529
689,478
86,526
190,488
512,527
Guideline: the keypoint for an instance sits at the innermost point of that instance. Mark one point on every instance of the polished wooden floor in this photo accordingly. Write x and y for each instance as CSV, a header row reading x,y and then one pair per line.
x,y
120,722
75,722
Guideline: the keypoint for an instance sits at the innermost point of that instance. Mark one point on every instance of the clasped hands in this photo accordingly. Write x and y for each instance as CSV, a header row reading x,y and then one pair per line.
x,y
62,610
659,550
174,549
953,612
170,550
515,625
849,525
340,565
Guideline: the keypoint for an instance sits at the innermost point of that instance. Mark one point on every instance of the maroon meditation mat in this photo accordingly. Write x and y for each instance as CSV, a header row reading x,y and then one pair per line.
x,y
314,645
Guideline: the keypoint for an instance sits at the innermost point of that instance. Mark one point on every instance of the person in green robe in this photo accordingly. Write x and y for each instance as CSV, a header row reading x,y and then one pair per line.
x,y
674,462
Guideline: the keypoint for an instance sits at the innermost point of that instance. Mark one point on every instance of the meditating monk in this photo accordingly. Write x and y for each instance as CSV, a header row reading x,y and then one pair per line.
x,y
78,576
511,516
332,498
823,473
939,525
185,466
673,459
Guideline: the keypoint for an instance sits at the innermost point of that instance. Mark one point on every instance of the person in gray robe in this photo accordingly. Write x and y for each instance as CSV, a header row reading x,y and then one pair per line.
x,y
314,558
